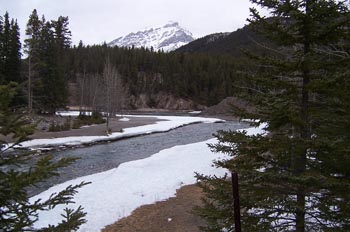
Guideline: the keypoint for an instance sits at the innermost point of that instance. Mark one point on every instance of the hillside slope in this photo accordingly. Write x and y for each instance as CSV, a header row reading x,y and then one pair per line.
x,y
233,43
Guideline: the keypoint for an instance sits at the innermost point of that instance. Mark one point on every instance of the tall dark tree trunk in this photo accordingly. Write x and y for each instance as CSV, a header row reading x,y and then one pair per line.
x,y
304,116
30,89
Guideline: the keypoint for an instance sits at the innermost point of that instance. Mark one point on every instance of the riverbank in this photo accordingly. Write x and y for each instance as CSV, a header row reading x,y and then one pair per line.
x,y
174,214
117,124
120,128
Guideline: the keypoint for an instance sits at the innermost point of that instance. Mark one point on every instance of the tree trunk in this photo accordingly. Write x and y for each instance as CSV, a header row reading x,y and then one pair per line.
x,y
30,94
300,165
300,213
81,105
107,124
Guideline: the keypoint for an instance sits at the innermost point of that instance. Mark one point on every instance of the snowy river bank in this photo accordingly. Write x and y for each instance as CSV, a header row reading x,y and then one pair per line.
x,y
123,185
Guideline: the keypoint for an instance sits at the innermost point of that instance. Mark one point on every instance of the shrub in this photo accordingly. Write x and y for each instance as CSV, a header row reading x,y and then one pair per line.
x,y
83,119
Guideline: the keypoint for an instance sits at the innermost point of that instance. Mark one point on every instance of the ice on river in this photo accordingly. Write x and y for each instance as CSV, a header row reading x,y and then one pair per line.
x,y
114,194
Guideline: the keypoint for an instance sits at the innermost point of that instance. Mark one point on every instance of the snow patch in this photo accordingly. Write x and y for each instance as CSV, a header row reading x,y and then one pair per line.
x,y
124,119
260,130
195,112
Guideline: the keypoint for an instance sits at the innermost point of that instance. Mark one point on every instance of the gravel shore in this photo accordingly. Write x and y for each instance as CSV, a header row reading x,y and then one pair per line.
x,y
115,125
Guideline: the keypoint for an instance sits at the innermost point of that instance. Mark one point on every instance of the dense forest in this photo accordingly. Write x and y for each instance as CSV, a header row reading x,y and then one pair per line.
x,y
41,77
203,78
10,51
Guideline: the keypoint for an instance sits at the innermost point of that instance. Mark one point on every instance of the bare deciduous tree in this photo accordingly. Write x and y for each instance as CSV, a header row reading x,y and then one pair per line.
x,y
112,91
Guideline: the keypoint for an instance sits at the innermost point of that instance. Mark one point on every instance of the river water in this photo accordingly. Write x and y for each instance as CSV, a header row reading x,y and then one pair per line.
x,y
105,156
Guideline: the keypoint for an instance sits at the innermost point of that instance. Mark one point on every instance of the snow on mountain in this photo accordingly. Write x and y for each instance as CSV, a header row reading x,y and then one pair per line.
x,y
167,38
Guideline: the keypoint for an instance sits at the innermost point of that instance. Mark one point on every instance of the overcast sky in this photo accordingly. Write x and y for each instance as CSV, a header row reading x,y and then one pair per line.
x,y
96,21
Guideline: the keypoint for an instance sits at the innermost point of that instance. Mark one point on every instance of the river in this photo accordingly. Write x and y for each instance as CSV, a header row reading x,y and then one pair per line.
x,y
105,156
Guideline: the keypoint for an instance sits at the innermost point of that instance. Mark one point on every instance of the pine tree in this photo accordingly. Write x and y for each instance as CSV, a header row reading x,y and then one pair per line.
x,y
5,48
62,37
1,51
32,46
17,213
54,42
50,86
62,33
10,50
295,178
46,48
15,56
10,53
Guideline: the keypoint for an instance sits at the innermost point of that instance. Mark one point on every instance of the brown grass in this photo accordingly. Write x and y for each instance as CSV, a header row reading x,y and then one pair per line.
x,y
172,215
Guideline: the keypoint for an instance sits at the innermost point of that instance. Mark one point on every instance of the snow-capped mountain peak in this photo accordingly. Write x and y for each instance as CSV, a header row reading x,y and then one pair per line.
x,y
167,38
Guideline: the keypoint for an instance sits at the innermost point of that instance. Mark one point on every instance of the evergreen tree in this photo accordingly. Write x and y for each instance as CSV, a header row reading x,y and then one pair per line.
x,y
50,83
46,47
17,213
1,51
5,46
10,52
296,177
10,49
62,40
32,46
62,33
14,59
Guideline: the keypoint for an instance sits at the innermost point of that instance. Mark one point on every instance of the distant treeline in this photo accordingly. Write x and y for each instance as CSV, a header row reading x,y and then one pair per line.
x,y
203,78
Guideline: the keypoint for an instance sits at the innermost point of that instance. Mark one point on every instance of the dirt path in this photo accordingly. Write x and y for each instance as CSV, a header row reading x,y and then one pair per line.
x,y
172,215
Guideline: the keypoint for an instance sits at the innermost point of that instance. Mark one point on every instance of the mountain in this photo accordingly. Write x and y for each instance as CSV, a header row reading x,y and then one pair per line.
x,y
232,43
167,38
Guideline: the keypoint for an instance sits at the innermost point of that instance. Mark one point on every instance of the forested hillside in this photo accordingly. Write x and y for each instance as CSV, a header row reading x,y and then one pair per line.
x,y
230,43
201,78
199,74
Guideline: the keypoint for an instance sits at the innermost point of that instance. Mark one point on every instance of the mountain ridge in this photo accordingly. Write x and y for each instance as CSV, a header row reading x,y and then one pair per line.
x,y
165,38
229,43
